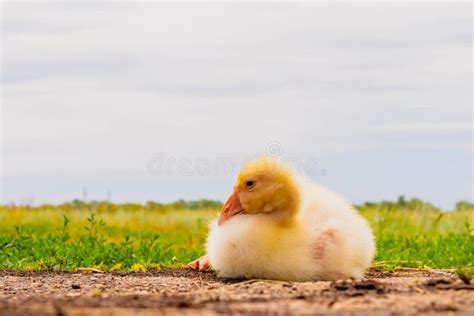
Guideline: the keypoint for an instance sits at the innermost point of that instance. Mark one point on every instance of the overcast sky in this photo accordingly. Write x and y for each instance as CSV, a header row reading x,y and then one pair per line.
x,y
136,98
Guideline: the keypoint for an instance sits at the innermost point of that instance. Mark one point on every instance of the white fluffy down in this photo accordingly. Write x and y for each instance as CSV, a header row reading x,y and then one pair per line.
x,y
330,241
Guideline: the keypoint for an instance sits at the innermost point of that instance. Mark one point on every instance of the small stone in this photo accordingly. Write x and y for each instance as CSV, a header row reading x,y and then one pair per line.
x,y
76,286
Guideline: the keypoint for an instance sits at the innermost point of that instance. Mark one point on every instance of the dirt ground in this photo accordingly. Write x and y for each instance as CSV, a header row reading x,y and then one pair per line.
x,y
181,291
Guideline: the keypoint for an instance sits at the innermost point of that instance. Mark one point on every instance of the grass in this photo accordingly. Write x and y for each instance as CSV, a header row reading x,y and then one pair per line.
x,y
137,238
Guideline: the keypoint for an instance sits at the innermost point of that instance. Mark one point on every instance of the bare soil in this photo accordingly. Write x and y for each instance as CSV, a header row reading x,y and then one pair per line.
x,y
181,291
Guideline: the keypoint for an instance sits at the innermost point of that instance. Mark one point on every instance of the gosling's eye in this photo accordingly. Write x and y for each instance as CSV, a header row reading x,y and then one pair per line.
x,y
250,183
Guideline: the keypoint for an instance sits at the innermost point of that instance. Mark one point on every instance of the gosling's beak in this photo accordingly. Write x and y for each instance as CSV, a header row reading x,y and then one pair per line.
x,y
231,207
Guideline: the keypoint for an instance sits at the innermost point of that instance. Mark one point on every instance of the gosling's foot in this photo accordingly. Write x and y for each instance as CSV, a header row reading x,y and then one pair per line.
x,y
201,264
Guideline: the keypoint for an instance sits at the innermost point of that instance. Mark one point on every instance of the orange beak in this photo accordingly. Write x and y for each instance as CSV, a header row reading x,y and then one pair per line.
x,y
231,207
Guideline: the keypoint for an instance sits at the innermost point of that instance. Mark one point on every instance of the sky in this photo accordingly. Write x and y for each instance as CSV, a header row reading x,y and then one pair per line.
x,y
160,101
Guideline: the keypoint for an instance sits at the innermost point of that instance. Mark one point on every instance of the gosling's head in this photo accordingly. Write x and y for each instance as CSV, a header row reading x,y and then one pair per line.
x,y
263,186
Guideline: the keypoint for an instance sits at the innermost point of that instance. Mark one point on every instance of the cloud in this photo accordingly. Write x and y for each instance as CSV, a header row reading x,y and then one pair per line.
x,y
443,127
99,89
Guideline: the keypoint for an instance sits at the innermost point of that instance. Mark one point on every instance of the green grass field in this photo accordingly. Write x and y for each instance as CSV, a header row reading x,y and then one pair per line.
x,y
133,237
